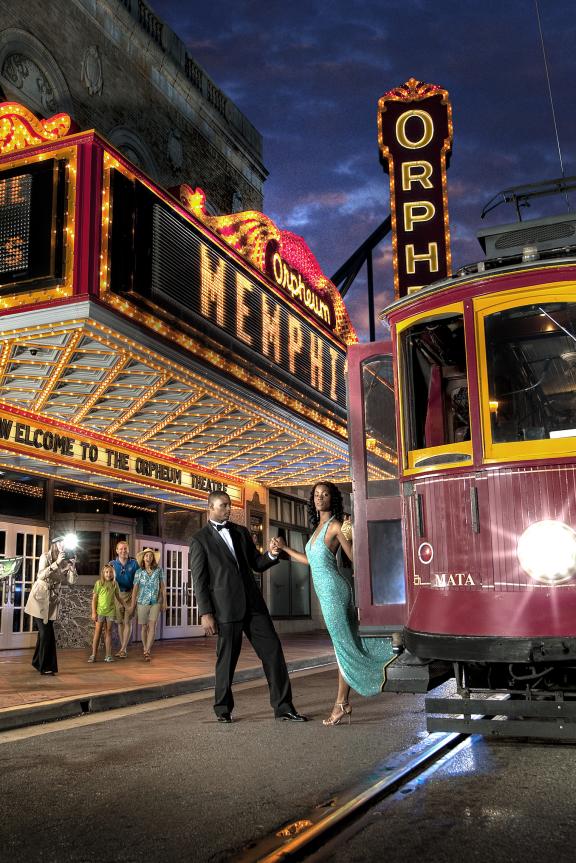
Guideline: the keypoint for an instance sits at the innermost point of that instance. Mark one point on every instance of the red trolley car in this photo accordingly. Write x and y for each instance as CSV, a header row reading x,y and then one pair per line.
x,y
484,368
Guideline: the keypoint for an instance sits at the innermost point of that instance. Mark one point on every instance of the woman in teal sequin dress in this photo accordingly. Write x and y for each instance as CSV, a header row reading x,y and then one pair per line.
x,y
361,661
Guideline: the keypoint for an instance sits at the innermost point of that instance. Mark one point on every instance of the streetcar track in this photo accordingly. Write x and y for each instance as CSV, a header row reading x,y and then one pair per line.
x,y
306,835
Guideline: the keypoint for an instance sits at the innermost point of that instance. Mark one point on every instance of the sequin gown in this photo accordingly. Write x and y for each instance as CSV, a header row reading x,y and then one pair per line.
x,y
361,660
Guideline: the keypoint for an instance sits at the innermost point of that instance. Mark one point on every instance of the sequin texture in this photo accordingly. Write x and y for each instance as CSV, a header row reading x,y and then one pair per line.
x,y
361,660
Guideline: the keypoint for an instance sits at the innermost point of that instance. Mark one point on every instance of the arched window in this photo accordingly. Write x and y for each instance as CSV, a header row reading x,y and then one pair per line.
x,y
29,74
134,148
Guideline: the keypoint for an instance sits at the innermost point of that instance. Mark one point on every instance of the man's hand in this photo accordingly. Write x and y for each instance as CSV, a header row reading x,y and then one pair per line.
x,y
208,623
280,544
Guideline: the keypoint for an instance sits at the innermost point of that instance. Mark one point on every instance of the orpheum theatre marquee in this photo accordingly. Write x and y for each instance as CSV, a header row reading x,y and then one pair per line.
x,y
149,347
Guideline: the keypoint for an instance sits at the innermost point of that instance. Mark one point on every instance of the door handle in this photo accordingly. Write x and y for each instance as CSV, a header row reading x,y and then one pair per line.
x,y
474,510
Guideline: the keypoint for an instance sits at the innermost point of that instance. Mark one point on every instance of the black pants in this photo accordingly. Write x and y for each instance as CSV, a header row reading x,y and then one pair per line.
x,y
262,636
44,658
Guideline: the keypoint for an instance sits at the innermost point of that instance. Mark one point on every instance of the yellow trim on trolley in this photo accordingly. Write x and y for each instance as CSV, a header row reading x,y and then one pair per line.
x,y
485,306
440,456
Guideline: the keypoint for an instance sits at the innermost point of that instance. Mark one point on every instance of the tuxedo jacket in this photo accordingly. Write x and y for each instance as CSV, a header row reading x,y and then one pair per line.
x,y
225,586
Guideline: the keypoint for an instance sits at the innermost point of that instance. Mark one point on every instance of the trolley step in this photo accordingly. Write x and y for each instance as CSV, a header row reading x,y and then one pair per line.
x,y
551,716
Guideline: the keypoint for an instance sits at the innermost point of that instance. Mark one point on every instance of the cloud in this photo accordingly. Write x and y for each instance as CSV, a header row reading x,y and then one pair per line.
x,y
309,77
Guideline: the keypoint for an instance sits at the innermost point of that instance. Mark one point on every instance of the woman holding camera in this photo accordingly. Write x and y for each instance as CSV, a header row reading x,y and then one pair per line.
x,y
56,566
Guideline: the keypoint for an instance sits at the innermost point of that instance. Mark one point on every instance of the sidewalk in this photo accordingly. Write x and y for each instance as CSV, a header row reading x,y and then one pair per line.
x,y
177,667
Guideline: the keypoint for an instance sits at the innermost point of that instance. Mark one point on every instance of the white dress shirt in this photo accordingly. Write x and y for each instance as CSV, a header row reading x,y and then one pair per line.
x,y
225,535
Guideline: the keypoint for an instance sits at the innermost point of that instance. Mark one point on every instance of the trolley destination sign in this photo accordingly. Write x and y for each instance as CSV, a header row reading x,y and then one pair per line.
x,y
50,441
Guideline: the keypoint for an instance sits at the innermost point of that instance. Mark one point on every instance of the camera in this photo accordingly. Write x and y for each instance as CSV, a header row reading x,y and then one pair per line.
x,y
70,543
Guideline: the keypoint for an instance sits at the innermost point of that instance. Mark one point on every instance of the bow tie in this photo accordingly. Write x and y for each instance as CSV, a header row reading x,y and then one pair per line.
x,y
220,527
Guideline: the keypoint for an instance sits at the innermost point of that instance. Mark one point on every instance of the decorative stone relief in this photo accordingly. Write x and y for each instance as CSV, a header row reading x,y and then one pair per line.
x,y
24,74
74,627
92,76
174,150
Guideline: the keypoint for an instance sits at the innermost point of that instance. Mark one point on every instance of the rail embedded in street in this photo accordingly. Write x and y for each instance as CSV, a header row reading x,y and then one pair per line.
x,y
303,836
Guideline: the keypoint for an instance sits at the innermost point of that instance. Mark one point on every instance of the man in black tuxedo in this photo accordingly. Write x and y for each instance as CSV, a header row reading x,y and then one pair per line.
x,y
222,559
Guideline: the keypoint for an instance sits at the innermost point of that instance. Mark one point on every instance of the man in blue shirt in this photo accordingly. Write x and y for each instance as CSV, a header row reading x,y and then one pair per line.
x,y
124,568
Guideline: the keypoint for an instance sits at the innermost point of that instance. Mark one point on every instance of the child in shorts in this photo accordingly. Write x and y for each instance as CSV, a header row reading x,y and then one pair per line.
x,y
104,598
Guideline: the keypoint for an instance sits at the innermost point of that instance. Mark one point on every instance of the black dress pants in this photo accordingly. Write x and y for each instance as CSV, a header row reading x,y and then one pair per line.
x,y
44,658
262,636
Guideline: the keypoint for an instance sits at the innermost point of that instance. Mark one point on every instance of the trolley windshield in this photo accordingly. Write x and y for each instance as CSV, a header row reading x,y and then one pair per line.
x,y
531,363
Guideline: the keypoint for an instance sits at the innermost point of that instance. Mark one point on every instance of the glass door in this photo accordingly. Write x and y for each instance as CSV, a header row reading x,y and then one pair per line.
x,y
181,615
378,550
27,542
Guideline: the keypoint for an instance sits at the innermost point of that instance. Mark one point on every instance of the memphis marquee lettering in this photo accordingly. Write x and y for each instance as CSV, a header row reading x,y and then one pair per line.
x,y
213,288
415,139
48,442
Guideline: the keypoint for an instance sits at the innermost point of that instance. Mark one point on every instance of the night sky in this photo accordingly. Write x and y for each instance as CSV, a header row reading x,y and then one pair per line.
x,y
308,74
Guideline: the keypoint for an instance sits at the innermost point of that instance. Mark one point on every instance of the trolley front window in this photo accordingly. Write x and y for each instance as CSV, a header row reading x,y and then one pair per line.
x,y
436,419
531,363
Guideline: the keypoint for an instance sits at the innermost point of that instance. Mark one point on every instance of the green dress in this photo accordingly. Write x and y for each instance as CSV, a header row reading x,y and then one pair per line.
x,y
360,660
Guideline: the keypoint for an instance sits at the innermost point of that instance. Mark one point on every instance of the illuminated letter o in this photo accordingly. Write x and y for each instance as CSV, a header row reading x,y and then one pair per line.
x,y
428,129
277,267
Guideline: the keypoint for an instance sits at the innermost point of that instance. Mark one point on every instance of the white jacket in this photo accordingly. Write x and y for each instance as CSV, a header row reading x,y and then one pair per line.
x,y
44,598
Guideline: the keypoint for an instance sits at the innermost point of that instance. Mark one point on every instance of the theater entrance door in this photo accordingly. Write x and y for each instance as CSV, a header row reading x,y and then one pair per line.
x,y
27,542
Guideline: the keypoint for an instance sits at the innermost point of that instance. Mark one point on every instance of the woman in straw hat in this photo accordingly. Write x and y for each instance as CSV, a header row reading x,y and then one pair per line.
x,y
150,593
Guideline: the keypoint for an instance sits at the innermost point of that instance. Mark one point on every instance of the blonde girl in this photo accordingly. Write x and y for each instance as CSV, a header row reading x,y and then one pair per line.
x,y
104,610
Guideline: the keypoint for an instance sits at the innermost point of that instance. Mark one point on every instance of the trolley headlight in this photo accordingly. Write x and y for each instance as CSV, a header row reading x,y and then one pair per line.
x,y
547,551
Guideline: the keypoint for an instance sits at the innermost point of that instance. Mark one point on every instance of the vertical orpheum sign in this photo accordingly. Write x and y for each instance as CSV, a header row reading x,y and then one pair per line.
x,y
415,140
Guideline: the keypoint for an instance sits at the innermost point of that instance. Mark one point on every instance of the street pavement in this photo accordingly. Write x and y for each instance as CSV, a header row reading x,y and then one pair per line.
x,y
165,781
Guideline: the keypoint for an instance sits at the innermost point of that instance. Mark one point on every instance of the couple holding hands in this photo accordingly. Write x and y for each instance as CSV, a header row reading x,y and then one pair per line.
x,y
223,558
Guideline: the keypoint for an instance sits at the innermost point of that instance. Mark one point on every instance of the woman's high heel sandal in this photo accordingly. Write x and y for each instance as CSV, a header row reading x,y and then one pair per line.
x,y
338,714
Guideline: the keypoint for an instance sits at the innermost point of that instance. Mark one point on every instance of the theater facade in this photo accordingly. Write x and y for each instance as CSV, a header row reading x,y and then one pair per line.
x,y
149,354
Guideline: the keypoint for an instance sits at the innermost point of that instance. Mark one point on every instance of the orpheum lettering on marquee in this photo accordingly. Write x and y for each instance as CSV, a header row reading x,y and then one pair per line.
x,y
51,442
297,288
415,140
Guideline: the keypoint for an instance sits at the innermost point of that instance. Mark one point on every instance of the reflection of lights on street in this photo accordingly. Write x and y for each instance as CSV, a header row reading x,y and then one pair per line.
x,y
547,551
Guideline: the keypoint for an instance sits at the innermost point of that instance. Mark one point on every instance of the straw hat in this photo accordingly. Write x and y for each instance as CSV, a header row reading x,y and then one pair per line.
x,y
140,557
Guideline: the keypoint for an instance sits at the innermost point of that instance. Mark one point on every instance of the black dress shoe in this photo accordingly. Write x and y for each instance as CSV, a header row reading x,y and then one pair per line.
x,y
224,717
292,716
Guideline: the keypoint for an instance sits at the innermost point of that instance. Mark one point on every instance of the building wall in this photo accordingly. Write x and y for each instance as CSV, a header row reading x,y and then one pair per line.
x,y
115,66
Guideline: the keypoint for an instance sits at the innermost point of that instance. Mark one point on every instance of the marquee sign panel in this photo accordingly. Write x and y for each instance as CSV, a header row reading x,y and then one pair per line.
x,y
31,224
158,255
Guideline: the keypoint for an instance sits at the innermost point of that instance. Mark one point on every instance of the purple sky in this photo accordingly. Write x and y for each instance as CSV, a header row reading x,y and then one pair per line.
x,y
309,75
